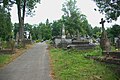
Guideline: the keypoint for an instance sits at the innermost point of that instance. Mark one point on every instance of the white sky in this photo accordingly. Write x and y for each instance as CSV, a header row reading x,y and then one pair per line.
x,y
51,9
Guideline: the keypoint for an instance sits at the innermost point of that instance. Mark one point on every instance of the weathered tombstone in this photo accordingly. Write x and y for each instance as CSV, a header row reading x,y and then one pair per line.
x,y
63,32
104,41
30,37
63,42
118,43
17,39
12,44
80,43
115,39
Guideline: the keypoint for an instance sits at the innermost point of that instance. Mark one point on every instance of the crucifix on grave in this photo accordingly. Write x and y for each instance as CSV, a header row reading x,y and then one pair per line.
x,y
102,22
104,41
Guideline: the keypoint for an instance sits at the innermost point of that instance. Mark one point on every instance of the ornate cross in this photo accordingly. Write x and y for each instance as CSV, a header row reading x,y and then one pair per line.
x,y
102,22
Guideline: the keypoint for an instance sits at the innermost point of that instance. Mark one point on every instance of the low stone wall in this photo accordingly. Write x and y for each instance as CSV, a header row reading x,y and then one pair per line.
x,y
112,54
78,42
105,59
8,51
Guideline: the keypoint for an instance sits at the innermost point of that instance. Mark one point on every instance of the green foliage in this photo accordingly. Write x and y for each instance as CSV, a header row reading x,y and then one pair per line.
x,y
74,21
38,32
73,66
4,44
96,31
19,46
4,59
30,5
37,41
96,52
45,29
111,8
114,31
5,24
16,29
56,28
27,27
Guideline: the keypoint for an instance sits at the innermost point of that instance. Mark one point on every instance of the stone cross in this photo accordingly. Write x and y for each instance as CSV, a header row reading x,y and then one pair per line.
x,y
104,41
102,22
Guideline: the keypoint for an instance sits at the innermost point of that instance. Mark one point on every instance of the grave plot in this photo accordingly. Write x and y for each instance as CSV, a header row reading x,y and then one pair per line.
x,y
7,47
80,45
108,55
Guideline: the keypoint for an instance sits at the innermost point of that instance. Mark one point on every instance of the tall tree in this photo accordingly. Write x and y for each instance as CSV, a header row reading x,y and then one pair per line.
x,y
111,8
74,21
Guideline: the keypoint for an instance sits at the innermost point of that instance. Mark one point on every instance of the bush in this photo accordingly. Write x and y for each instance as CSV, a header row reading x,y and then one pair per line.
x,y
37,41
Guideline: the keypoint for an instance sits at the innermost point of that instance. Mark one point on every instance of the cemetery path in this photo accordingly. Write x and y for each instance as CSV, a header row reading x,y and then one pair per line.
x,y
32,65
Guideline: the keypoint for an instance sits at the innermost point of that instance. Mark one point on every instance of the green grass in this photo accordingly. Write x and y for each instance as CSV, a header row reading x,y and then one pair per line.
x,y
4,59
71,65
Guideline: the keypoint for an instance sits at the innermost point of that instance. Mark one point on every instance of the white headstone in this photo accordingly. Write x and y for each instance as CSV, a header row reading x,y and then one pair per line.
x,y
63,32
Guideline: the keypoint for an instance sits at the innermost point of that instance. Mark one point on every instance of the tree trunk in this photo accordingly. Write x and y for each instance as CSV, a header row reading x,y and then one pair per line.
x,y
21,21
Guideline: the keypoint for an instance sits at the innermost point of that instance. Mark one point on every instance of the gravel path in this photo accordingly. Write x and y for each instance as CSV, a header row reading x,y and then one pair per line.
x,y
32,65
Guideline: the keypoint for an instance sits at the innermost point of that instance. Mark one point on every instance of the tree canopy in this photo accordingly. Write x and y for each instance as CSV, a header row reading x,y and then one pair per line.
x,y
114,31
74,21
56,28
111,8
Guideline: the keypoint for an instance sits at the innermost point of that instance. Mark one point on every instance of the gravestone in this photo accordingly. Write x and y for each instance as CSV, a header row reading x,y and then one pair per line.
x,y
63,32
17,39
118,43
80,44
12,44
104,41
63,43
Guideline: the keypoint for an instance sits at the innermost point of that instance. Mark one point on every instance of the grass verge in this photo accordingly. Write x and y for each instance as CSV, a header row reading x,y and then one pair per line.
x,y
71,65
7,58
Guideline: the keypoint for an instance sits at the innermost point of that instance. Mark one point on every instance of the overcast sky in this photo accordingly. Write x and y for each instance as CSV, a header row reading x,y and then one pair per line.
x,y
51,9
